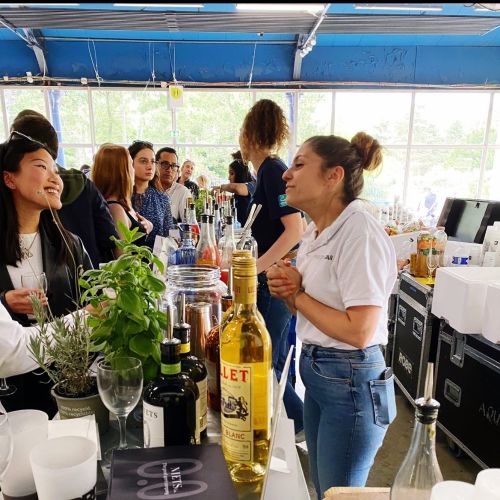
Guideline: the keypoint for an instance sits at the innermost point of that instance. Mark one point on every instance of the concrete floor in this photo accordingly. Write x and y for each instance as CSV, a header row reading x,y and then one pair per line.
x,y
396,443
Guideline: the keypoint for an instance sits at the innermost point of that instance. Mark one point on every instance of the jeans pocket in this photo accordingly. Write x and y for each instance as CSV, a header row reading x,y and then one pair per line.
x,y
331,370
384,401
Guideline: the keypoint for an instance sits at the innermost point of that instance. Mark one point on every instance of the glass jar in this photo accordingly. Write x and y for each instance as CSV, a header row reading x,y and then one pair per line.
x,y
248,243
199,284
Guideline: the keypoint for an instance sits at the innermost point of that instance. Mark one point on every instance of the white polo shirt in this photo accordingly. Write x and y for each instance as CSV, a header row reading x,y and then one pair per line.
x,y
178,199
351,263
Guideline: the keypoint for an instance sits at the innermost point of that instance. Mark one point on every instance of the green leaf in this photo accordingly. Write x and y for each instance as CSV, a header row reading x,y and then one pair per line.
x,y
129,301
141,344
156,353
150,369
132,327
153,284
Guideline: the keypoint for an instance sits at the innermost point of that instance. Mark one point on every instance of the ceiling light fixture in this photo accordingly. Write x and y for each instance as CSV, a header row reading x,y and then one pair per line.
x,y
398,6
43,4
162,5
282,7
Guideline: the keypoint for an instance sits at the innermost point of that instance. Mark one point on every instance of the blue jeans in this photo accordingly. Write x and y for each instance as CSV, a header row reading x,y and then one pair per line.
x,y
347,408
277,317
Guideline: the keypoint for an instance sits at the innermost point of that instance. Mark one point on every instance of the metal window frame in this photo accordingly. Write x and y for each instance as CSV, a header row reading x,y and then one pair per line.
x,y
409,146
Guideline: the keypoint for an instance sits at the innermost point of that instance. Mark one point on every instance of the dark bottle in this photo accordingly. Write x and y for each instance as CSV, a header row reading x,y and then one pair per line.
x,y
169,403
193,367
212,349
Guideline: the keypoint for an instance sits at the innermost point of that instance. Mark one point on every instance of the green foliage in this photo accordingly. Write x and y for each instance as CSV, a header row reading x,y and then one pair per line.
x,y
62,348
125,294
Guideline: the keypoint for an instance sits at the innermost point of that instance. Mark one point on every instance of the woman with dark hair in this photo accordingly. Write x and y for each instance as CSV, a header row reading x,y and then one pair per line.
x,y
34,241
241,184
346,268
277,228
113,174
148,198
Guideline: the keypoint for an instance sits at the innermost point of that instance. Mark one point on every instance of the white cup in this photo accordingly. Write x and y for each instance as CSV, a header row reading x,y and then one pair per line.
x,y
64,467
488,485
29,428
453,490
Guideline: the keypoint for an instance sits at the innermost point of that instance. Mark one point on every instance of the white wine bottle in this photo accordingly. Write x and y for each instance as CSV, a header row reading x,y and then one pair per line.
x,y
246,378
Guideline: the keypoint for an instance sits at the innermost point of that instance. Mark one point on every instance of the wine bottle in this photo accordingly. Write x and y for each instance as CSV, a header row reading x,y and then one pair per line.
x,y
192,366
420,470
245,353
212,350
169,402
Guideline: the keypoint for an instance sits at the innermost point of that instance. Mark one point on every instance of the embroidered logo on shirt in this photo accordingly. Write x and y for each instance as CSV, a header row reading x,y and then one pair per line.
x,y
282,200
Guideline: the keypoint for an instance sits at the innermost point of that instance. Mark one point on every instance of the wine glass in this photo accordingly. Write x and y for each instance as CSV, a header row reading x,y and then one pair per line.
x,y
119,381
432,260
6,442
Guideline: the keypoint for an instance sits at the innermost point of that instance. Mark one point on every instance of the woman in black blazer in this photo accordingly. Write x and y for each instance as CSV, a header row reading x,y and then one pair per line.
x,y
33,240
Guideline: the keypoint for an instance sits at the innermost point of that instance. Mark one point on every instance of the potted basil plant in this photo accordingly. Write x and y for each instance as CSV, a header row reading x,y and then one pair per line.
x,y
126,295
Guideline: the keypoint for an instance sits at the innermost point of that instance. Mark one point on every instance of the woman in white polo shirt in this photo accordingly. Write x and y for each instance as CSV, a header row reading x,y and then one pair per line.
x,y
346,268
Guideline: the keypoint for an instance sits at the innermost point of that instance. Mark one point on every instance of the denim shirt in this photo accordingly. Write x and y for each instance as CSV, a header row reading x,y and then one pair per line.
x,y
154,206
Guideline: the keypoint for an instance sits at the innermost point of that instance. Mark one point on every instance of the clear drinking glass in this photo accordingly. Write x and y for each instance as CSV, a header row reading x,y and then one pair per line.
x,y
6,442
119,381
432,260
35,281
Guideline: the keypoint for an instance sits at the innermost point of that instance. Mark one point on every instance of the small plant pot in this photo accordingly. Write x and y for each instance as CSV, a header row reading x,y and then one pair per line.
x,y
80,407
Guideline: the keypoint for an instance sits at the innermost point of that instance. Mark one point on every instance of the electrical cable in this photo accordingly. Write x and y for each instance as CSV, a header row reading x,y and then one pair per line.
x,y
253,65
94,65
172,66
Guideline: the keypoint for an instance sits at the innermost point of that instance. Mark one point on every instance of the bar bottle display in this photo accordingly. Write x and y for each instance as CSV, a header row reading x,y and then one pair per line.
x,y
246,377
193,367
170,401
212,349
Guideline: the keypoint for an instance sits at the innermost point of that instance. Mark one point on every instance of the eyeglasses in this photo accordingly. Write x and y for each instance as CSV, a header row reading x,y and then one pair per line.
x,y
166,165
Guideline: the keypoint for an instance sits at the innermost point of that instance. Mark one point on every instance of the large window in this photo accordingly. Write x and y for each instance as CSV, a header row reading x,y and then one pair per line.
x,y
441,142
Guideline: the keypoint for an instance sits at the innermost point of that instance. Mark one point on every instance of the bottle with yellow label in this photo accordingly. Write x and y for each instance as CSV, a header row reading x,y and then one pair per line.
x,y
246,378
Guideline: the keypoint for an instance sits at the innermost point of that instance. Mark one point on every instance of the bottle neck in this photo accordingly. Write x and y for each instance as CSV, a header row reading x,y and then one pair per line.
x,y
245,294
185,349
228,234
424,438
170,368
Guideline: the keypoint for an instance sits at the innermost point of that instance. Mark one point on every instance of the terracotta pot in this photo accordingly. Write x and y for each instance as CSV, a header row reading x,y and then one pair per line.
x,y
79,407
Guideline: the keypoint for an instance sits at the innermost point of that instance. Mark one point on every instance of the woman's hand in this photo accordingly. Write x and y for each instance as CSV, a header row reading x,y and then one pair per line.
x,y
283,280
19,300
147,225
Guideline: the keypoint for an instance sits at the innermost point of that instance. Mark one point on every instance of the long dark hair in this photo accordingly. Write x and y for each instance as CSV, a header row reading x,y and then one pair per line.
x,y
11,155
240,168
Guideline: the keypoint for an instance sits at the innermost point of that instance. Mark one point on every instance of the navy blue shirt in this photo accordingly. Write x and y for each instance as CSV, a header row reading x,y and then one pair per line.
x,y
154,206
242,202
270,192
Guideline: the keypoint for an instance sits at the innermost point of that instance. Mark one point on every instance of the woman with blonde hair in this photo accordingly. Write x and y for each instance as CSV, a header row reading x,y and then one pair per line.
x,y
113,174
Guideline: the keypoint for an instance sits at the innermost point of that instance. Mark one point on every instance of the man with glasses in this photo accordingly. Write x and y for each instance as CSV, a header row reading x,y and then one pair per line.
x,y
168,164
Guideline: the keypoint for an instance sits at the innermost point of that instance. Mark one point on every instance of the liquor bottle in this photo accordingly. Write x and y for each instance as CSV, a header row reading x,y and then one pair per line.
x,y
217,223
191,220
186,253
213,238
206,253
169,403
420,470
227,246
245,354
212,350
192,366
